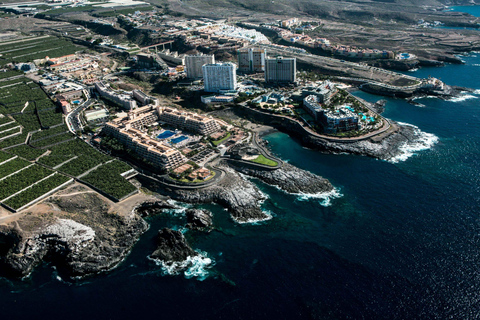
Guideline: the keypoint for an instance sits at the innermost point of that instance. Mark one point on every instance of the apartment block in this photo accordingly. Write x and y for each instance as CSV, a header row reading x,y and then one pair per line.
x,y
189,121
251,60
155,152
220,76
124,100
194,63
280,70
334,120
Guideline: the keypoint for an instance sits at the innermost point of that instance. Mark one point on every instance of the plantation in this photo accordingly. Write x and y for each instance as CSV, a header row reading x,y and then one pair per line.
x,y
79,165
52,140
13,140
108,178
4,120
27,152
49,119
12,166
36,191
8,132
22,179
4,156
48,133
8,127
87,157
9,73
37,48
28,120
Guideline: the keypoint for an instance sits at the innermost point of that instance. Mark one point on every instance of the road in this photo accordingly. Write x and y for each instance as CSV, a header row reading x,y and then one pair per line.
x,y
73,120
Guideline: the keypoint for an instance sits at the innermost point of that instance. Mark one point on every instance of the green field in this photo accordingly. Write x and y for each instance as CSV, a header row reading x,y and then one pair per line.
x,y
22,180
36,191
5,156
217,142
108,178
36,48
265,161
12,166
24,106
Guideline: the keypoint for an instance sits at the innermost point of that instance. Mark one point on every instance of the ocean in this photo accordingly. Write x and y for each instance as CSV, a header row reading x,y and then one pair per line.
x,y
399,240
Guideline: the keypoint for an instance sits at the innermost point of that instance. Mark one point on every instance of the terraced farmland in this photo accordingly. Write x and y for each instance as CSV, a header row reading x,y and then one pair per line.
x,y
38,153
32,49
108,178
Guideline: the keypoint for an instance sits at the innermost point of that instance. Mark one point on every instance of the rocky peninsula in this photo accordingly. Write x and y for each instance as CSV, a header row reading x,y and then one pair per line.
x,y
78,235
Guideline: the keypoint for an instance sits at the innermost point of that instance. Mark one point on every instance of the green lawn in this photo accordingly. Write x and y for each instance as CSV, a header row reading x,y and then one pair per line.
x,y
216,143
262,160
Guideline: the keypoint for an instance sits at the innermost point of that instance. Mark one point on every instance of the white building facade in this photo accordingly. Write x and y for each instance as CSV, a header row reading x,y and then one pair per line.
x,y
220,77
194,63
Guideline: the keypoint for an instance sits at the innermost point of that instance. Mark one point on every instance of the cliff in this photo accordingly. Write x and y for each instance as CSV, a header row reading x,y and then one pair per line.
x,y
78,236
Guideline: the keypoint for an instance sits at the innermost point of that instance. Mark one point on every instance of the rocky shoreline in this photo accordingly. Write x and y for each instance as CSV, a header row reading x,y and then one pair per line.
x,y
386,147
82,240
290,179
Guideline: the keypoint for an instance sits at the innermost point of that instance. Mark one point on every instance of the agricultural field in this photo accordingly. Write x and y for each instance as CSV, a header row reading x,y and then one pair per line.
x,y
48,155
9,73
82,156
9,129
30,49
52,140
36,191
27,152
22,179
108,178
5,156
13,166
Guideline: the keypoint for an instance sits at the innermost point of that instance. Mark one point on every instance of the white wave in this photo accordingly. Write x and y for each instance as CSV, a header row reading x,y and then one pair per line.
x,y
476,64
413,70
476,91
424,141
462,98
193,267
268,216
425,97
324,197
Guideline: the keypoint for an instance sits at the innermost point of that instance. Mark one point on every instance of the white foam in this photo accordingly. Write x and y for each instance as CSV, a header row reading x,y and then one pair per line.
x,y
413,70
268,216
476,91
424,141
324,197
462,98
193,267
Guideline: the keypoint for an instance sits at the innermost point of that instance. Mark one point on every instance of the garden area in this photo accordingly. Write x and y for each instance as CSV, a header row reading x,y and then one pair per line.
x,y
261,159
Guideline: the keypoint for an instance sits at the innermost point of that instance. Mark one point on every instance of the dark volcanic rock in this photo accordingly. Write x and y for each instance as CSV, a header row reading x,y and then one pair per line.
x,y
172,246
379,106
290,179
240,196
87,241
387,147
153,207
199,219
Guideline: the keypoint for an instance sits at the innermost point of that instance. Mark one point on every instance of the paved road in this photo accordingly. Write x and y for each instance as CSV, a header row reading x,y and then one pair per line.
x,y
73,120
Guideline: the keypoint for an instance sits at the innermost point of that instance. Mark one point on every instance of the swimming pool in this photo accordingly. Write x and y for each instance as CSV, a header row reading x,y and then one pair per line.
x,y
76,102
165,134
179,139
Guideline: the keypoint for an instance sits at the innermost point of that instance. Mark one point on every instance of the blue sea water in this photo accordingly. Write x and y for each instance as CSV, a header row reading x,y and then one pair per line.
x,y
473,10
402,242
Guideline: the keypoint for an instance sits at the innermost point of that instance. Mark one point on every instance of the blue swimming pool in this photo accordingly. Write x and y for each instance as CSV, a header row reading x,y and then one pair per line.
x,y
76,101
165,134
179,139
